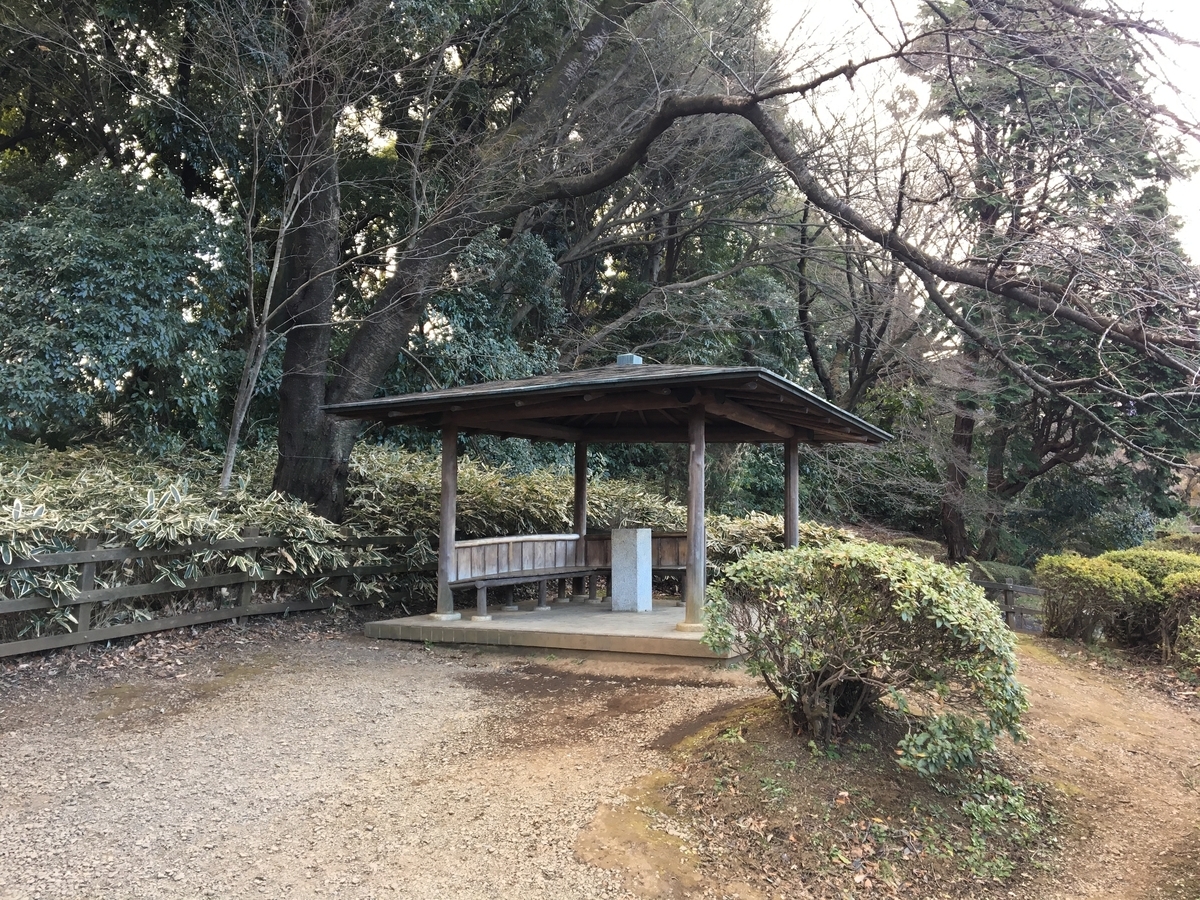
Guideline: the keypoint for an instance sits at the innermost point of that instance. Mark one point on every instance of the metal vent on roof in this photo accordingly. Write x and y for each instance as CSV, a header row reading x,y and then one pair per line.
x,y
629,359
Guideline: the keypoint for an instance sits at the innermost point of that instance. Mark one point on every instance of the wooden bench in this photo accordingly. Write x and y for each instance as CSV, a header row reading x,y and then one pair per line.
x,y
542,558
520,559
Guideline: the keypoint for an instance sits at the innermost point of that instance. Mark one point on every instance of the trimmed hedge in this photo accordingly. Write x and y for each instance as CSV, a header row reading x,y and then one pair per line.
x,y
1181,543
1153,620
50,499
1179,622
1138,597
838,628
1153,565
1084,596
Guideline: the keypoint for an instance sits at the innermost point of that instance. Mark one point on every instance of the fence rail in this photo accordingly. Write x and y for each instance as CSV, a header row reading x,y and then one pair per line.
x,y
88,557
1017,616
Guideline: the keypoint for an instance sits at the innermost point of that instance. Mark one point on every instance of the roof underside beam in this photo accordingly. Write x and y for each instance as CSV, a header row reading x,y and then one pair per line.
x,y
718,432
563,407
744,415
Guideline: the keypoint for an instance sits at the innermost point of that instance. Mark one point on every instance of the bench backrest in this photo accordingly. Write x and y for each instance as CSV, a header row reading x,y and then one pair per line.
x,y
516,554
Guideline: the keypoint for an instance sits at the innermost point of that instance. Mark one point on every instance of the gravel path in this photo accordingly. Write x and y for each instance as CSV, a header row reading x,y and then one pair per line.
x,y
337,767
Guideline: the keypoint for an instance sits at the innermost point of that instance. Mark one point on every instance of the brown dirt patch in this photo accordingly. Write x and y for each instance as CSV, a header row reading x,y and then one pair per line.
x,y
763,816
293,758
1129,758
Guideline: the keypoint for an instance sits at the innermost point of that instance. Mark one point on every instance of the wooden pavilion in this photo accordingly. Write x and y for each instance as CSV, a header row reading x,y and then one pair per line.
x,y
623,403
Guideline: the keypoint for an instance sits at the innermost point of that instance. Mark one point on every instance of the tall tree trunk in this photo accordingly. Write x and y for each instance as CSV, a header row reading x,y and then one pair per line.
x,y
954,522
997,445
311,463
314,448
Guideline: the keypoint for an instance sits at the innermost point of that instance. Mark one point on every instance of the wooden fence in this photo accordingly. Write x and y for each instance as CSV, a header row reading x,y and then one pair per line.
x,y
241,586
238,588
1018,616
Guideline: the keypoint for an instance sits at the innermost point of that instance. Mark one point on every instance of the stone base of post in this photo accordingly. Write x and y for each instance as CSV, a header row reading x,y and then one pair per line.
x,y
446,617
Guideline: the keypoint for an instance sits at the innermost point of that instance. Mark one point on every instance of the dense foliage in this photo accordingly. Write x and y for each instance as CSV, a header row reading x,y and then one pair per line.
x,y
1143,597
216,217
1179,617
114,313
50,500
837,628
1153,565
1083,596
1188,645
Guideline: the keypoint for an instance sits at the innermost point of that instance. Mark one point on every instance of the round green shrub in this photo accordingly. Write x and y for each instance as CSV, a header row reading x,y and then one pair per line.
x,y
837,628
1149,622
1179,621
1154,565
1084,596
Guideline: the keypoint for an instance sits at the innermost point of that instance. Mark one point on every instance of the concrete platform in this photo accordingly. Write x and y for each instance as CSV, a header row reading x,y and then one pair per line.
x,y
582,627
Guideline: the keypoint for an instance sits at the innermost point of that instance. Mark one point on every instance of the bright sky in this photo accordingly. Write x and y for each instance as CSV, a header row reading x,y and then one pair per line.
x,y
840,21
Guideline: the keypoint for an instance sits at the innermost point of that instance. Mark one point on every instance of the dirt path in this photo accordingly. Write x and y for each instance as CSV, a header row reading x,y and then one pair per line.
x,y
344,768
347,768
1130,759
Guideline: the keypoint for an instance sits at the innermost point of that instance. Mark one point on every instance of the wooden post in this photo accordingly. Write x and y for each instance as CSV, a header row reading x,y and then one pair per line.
x,y
445,599
481,613
693,579
87,581
791,493
1010,597
542,604
510,602
246,590
341,584
580,513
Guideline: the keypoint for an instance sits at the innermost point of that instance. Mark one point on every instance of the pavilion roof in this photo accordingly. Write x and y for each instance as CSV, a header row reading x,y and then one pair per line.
x,y
628,404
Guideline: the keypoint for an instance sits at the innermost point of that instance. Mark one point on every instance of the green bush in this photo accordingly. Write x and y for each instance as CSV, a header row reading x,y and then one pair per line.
x,y
1179,619
1153,565
1179,542
49,500
1149,622
1188,644
730,539
835,629
1084,595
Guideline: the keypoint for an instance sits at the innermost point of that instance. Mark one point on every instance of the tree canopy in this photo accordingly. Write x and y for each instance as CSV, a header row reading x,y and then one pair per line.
x,y
217,216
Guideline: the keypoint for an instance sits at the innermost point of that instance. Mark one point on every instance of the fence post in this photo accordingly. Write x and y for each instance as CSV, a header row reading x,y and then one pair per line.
x,y
341,584
87,582
1010,598
246,589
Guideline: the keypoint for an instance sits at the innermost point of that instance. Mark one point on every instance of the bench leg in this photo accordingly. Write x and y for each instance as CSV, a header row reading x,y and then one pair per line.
x,y
481,604
542,604
510,604
563,596
593,582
